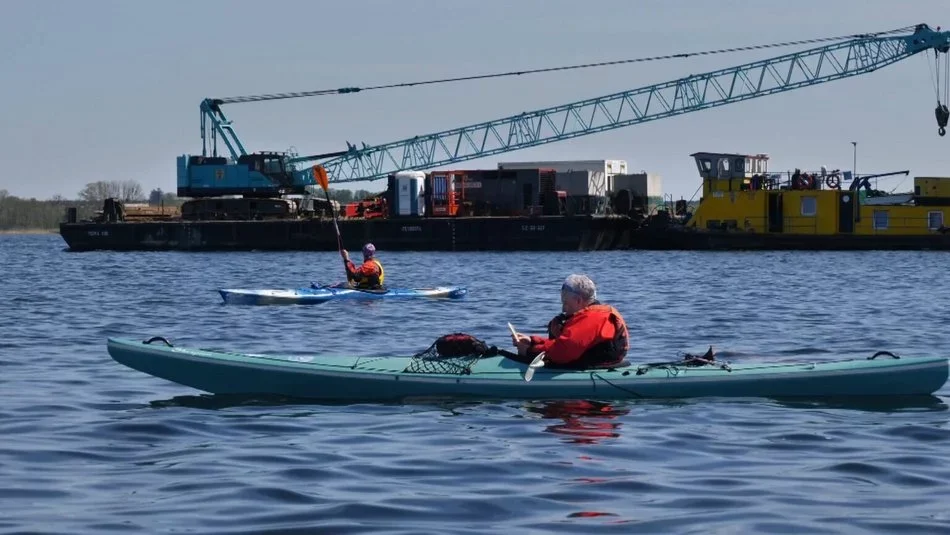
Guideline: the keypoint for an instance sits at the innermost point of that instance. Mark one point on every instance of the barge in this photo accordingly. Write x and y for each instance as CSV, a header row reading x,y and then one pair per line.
x,y
743,206
561,206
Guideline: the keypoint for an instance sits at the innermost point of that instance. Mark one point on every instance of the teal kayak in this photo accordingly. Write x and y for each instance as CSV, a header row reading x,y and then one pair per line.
x,y
316,295
394,378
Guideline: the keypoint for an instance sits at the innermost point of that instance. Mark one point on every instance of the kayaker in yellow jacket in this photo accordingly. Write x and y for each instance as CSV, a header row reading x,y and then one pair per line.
x,y
370,275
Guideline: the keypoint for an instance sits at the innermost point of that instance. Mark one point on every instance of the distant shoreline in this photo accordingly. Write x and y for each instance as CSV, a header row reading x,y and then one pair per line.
x,y
29,231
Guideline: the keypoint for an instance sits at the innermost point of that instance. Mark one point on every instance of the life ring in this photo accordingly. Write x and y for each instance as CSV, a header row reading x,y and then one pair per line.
x,y
833,181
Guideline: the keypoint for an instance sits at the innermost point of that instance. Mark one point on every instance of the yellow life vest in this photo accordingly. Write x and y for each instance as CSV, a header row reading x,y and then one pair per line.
x,y
382,273
363,282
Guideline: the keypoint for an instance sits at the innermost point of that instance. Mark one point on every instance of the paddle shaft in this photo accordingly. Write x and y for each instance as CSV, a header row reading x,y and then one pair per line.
x,y
320,174
339,240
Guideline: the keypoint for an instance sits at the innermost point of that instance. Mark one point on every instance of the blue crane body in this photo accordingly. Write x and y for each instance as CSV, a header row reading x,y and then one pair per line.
x,y
271,174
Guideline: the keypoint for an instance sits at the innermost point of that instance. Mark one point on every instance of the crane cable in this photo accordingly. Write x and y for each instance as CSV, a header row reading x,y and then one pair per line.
x,y
343,90
946,78
942,112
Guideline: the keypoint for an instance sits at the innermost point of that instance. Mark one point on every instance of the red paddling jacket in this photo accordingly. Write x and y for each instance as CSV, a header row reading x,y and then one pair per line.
x,y
595,336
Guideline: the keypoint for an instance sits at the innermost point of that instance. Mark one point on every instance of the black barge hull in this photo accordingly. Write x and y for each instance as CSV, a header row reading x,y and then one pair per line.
x,y
554,233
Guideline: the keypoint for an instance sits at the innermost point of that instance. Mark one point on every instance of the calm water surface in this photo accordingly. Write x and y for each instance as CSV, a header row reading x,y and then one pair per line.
x,y
89,446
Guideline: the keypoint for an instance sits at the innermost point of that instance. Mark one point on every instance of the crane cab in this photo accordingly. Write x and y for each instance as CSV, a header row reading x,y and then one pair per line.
x,y
259,174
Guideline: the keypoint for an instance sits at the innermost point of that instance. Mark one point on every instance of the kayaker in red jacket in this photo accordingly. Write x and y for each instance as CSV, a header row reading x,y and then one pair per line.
x,y
370,275
588,334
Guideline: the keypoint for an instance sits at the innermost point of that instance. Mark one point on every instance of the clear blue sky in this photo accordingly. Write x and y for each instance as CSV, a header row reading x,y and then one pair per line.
x,y
109,90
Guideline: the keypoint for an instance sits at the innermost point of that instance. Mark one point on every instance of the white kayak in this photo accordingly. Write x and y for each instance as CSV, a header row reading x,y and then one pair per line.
x,y
311,296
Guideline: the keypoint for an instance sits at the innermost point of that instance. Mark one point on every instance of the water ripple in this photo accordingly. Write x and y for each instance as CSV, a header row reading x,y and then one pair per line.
x,y
94,447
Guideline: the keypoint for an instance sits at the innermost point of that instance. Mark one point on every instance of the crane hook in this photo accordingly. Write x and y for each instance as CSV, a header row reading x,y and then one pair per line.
x,y
943,116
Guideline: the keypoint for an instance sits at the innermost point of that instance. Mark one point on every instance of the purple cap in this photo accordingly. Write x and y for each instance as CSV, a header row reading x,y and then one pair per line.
x,y
369,250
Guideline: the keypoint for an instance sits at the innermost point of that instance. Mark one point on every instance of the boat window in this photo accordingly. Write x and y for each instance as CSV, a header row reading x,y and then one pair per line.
x,y
879,220
934,220
722,168
809,206
705,165
739,165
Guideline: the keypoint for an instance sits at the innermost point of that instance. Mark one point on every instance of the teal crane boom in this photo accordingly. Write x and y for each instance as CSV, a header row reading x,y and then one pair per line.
x,y
859,55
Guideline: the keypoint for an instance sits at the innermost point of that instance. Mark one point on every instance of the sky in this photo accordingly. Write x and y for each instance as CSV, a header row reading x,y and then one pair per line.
x,y
109,90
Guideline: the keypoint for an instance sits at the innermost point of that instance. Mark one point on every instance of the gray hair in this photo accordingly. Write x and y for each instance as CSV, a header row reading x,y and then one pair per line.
x,y
582,286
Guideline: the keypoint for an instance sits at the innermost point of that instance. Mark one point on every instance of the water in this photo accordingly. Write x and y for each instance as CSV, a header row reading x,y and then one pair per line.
x,y
89,446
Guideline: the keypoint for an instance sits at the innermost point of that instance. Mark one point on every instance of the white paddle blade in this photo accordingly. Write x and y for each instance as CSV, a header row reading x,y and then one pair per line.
x,y
538,362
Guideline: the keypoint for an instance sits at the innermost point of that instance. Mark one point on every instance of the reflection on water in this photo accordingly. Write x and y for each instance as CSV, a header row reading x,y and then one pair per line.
x,y
584,422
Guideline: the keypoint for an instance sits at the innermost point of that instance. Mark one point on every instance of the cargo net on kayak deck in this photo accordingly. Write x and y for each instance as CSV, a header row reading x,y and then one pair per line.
x,y
452,354
688,361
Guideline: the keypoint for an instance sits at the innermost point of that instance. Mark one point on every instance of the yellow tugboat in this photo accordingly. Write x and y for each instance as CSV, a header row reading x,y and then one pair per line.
x,y
745,206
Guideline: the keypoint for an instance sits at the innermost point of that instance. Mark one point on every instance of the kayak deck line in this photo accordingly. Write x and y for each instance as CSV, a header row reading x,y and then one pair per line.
x,y
306,365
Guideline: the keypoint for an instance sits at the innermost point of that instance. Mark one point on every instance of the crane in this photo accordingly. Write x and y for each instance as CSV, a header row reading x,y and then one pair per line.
x,y
264,173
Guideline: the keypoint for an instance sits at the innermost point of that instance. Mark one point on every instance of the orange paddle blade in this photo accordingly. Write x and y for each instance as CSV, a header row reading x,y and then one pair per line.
x,y
320,174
